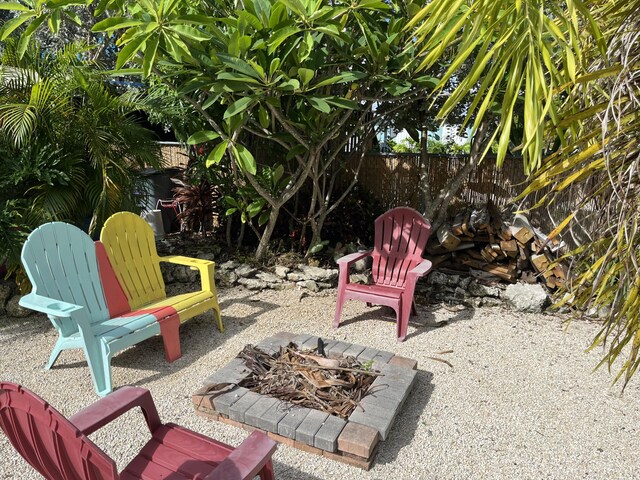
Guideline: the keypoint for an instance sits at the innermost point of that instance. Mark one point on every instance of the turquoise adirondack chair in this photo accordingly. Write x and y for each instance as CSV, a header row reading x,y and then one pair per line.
x,y
64,268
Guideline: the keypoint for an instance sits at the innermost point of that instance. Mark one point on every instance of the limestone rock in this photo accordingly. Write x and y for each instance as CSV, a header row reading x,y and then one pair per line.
x,y
15,310
526,298
478,290
359,278
294,277
185,275
245,271
253,283
317,273
229,265
269,277
226,278
207,256
309,285
282,271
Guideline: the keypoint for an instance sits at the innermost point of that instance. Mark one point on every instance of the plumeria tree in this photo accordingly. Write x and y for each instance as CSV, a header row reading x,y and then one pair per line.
x,y
302,74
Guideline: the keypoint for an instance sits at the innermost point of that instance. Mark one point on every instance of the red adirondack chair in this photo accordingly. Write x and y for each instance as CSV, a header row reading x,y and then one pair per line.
x,y
401,235
59,448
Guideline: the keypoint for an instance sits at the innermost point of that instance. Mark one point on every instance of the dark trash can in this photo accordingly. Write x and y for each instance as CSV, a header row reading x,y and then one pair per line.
x,y
158,186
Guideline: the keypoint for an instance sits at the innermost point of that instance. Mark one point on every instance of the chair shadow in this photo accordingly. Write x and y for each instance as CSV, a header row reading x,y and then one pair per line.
x,y
423,322
198,337
406,423
283,471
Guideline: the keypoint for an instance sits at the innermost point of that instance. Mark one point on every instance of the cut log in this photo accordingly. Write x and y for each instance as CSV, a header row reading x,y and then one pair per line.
x,y
510,247
540,262
456,227
560,271
447,239
522,234
506,272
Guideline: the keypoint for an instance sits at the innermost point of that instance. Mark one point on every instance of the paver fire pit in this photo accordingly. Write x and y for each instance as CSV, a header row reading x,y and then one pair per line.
x,y
353,440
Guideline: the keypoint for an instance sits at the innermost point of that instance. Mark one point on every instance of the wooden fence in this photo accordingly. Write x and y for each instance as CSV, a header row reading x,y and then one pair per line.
x,y
394,180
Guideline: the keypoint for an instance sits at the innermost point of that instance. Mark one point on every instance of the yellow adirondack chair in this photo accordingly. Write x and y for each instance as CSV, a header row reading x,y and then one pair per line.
x,y
131,249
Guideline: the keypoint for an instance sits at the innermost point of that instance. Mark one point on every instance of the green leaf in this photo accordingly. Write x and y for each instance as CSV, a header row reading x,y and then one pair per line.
x,y
277,174
195,19
319,104
64,3
10,25
216,154
150,55
280,36
306,75
230,211
14,6
130,49
342,78
202,136
238,106
231,201
115,23
263,218
342,102
273,67
237,77
26,35
263,117
238,65
297,150
191,33
74,17
290,85
245,159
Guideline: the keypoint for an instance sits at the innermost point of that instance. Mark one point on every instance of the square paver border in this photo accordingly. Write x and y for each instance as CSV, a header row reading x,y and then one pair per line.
x,y
353,441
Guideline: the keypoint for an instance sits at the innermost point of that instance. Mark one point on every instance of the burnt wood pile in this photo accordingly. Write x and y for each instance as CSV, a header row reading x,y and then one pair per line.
x,y
479,242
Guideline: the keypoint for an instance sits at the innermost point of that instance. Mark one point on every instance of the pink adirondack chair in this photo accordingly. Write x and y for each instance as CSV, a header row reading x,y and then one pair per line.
x,y
59,448
401,235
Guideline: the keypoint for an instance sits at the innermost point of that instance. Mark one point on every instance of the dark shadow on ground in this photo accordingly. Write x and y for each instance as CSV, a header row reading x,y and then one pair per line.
x,y
406,423
423,322
286,472
198,336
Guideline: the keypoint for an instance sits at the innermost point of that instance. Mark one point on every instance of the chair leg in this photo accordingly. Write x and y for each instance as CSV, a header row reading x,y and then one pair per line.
x,y
218,315
170,331
339,304
403,314
55,354
267,472
99,360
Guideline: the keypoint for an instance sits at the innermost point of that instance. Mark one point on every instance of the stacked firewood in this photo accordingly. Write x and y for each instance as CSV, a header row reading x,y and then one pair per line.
x,y
480,242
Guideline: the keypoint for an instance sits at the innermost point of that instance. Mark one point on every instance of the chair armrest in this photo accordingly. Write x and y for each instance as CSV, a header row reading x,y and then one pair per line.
x,y
352,258
100,413
49,306
206,268
246,461
421,269
186,261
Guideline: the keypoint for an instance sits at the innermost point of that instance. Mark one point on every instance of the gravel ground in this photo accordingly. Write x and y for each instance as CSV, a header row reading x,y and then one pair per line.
x,y
520,401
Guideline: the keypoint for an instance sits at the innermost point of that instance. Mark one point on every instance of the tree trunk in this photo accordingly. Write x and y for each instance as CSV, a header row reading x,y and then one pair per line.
x,y
268,231
438,209
423,185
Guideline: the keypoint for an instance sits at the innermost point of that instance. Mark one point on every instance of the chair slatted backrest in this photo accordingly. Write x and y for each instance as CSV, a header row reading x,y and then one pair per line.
x,y
61,263
401,236
131,248
48,441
